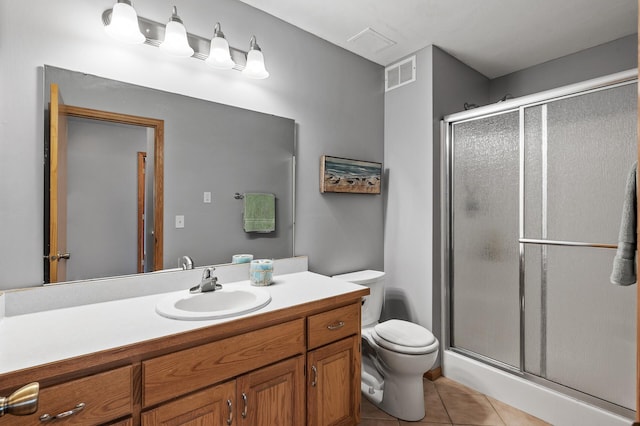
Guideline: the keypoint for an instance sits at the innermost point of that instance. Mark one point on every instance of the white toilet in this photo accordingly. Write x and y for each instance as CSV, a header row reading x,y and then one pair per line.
x,y
395,354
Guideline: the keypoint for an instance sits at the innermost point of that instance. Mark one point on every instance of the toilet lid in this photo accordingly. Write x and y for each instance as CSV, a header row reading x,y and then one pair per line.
x,y
404,336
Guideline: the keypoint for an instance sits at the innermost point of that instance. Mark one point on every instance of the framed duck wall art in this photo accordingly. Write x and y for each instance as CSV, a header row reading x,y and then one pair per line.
x,y
350,176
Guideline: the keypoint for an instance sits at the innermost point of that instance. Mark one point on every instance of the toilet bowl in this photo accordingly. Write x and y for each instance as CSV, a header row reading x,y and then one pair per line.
x,y
395,354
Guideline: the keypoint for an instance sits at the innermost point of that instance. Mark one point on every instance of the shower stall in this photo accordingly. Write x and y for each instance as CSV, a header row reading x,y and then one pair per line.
x,y
533,200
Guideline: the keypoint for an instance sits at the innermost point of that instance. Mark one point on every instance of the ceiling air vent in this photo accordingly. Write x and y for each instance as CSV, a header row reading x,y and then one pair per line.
x,y
400,73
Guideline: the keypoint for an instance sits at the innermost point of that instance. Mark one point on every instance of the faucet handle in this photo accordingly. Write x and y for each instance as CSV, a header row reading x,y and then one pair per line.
x,y
207,274
209,282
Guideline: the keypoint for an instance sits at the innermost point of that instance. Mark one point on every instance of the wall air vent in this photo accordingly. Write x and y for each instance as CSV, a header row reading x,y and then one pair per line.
x,y
400,73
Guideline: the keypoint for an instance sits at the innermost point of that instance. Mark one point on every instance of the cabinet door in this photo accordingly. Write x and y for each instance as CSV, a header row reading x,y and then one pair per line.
x,y
273,396
333,389
212,406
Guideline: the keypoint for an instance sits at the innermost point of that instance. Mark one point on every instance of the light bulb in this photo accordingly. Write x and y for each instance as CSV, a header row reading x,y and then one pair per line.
x,y
124,24
219,54
175,37
255,62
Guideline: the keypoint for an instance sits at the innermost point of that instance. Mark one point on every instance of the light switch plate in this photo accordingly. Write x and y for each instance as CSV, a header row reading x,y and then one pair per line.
x,y
207,197
180,221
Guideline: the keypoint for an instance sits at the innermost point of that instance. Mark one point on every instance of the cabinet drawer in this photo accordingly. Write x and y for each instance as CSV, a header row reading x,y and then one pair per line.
x,y
332,325
106,396
181,372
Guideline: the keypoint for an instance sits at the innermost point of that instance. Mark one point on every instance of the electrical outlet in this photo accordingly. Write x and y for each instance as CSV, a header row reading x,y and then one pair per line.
x,y
207,197
180,221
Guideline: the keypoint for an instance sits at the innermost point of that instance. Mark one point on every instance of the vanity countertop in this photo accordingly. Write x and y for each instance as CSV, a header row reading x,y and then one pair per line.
x,y
49,336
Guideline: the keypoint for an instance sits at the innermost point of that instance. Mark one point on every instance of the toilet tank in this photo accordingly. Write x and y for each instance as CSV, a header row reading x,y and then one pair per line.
x,y
371,304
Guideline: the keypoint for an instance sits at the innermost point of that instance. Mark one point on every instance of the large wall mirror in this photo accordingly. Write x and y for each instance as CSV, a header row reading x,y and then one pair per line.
x,y
208,153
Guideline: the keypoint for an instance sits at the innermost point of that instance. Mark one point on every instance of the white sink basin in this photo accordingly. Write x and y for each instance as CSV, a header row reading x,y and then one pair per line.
x,y
224,303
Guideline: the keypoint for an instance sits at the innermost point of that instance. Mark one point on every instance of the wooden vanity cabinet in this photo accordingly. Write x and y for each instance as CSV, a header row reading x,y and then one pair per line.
x,y
125,422
334,390
91,400
212,406
333,367
273,395
269,396
291,368
185,371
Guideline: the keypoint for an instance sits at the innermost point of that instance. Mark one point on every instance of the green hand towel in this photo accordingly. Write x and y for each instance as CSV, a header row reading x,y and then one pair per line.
x,y
259,212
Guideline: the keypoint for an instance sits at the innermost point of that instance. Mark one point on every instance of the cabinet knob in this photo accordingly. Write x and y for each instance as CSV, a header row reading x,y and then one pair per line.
x,y
22,402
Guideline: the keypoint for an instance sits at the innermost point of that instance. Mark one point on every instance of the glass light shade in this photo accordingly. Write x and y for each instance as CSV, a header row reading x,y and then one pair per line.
x,y
175,40
255,65
124,24
219,55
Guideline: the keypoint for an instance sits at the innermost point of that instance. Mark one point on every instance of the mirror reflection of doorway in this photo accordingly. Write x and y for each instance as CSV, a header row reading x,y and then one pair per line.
x,y
103,190
143,252
102,204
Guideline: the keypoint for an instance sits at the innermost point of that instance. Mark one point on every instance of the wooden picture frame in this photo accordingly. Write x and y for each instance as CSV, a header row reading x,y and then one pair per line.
x,y
350,176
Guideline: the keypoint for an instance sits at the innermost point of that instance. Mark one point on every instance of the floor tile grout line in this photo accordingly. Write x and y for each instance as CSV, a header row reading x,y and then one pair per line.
x,y
496,410
442,402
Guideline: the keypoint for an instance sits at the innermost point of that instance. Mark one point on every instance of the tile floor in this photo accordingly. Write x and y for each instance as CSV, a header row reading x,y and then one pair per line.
x,y
450,403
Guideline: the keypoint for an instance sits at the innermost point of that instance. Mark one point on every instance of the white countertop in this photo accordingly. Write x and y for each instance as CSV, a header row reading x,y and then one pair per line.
x,y
47,336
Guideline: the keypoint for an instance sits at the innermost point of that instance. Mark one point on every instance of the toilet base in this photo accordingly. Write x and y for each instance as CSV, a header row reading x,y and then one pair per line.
x,y
401,397
404,398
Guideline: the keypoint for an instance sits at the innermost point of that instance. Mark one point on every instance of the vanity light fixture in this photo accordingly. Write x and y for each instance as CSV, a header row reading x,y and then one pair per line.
x,y
174,39
124,23
255,61
219,54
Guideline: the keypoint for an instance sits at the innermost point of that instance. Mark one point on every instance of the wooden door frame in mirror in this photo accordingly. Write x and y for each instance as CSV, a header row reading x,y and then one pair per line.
x,y
158,164
637,422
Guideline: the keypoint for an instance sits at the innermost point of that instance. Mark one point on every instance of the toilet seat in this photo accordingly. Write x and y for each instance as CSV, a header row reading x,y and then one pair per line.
x,y
404,337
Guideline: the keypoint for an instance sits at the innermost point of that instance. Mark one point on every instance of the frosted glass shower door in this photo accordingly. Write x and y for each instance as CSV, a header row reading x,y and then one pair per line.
x,y
579,328
484,227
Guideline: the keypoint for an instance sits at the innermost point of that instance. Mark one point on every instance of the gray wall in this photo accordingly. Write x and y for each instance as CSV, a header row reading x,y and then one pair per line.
x,y
408,219
335,98
101,198
608,58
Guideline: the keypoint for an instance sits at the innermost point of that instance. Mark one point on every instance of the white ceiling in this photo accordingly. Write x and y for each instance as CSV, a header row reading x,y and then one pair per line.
x,y
495,37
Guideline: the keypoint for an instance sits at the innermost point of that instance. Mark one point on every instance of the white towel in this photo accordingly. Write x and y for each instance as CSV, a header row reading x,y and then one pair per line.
x,y
624,264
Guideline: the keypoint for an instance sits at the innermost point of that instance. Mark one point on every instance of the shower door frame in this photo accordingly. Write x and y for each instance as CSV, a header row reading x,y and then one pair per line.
x,y
446,164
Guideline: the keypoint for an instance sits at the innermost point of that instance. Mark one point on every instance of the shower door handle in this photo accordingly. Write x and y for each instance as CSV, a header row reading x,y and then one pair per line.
x,y
566,243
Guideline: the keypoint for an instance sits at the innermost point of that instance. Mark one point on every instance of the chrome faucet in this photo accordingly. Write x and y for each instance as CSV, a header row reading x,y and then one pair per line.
x,y
185,262
208,282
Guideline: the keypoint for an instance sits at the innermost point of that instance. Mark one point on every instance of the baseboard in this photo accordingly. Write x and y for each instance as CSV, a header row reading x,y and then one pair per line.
x,y
435,373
